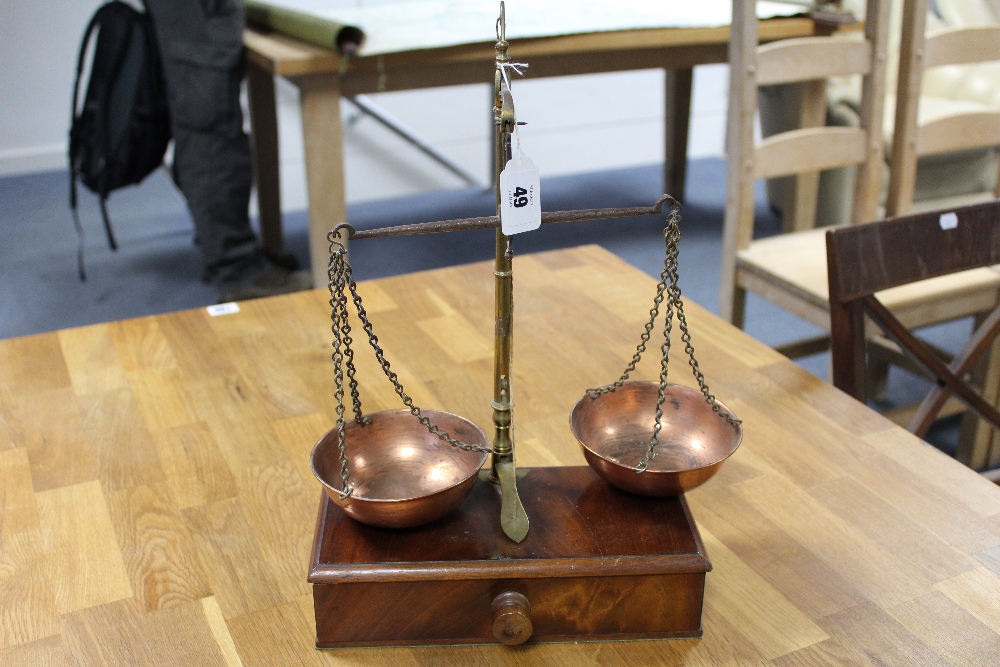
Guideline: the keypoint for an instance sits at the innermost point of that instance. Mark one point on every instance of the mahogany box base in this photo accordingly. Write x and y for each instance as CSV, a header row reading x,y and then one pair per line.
x,y
597,564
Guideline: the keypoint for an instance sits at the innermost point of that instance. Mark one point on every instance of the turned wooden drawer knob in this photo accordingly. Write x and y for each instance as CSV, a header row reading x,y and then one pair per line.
x,y
511,618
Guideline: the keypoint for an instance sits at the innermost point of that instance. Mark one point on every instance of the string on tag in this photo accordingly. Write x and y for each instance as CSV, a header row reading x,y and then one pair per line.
x,y
519,70
517,67
517,142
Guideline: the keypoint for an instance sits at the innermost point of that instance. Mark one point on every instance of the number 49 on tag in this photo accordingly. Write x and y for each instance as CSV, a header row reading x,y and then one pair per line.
x,y
520,203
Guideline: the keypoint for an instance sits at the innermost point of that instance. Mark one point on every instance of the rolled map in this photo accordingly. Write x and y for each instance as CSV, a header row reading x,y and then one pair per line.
x,y
311,29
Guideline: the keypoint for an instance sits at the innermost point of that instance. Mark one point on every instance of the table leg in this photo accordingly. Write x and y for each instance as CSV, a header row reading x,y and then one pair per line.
x,y
264,133
677,122
322,133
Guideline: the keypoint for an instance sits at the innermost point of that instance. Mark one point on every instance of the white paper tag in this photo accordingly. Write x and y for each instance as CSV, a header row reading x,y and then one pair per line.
x,y
520,200
948,221
223,309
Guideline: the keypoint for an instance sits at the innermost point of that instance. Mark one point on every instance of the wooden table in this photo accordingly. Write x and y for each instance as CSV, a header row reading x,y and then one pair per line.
x,y
157,505
322,83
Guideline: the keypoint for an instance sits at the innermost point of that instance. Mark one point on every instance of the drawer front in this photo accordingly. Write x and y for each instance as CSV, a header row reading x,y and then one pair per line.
x,y
512,611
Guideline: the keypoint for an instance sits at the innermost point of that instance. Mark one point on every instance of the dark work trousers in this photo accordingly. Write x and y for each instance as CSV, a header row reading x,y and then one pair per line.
x,y
201,42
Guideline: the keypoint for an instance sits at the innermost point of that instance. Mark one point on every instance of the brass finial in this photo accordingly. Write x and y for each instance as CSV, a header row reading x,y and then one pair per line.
x,y
502,43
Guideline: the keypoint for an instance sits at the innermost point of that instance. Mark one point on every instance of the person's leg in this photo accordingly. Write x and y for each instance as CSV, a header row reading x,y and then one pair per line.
x,y
201,42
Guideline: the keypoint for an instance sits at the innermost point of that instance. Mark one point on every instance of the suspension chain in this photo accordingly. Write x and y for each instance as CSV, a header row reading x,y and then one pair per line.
x,y
338,316
670,286
342,280
653,313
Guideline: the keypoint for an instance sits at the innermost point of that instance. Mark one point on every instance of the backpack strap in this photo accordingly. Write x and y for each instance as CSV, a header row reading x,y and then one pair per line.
x,y
79,234
107,223
74,139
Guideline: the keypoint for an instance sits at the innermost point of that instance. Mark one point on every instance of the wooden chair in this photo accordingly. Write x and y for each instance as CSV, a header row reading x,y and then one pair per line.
x,y
933,125
790,271
942,180
938,112
866,260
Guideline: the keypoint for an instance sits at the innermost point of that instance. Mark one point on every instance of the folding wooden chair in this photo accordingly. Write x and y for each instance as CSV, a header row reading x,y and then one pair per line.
x,y
866,260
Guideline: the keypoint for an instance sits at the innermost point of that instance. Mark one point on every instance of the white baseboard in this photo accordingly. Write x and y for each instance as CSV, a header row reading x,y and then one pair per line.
x,y
32,159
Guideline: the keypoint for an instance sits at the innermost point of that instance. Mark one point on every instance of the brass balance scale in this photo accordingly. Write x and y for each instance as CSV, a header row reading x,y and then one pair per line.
x,y
408,521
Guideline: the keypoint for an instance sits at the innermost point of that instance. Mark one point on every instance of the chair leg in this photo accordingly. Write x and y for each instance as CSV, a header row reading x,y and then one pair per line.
x,y
877,373
732,296
979,442
879,360
737,307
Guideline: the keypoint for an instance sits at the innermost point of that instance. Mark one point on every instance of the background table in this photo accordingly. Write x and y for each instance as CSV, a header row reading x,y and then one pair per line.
x,y
318,74
157,507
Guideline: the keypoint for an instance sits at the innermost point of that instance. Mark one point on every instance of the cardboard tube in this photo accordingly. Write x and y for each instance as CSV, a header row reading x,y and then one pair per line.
x,y
311,29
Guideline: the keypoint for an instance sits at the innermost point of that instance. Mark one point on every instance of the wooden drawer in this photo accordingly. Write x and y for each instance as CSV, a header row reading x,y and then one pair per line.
x,y
597,564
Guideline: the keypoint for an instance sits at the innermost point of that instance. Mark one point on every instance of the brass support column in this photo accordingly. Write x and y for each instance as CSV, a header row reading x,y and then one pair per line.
x,y
513,519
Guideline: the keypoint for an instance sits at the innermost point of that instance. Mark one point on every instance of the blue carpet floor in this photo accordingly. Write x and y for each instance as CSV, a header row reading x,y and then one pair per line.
x,y
158,267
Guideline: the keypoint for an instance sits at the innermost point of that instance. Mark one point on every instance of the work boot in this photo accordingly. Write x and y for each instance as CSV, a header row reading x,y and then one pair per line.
x,y
273,281
284,260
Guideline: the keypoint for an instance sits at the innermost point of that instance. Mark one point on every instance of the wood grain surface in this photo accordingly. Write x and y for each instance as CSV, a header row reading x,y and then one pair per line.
x,y
597,564
288,56
157,507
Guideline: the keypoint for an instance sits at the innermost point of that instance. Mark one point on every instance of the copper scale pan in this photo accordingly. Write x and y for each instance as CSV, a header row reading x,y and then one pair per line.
x,y
403,475
614,430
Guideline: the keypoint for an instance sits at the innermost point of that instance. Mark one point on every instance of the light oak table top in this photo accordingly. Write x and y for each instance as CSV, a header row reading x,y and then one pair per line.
x,y
685,46
157,507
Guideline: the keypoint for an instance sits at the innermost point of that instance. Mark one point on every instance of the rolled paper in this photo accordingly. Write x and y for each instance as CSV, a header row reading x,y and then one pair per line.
x,y
323,32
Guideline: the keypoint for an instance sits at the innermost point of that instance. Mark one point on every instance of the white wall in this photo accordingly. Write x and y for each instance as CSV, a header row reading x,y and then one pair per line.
x,y
39,40
620,125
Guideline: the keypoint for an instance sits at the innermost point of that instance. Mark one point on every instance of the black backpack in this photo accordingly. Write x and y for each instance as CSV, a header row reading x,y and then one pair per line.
x,y
119,133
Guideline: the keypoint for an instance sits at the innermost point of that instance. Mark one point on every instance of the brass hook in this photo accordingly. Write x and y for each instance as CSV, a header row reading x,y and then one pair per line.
x,y
502,24
334,237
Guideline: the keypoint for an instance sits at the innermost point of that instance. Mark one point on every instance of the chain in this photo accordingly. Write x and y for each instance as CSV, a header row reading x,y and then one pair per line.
x,y
341,280
338,303
653,314
692,362
671,235
345,327
669,284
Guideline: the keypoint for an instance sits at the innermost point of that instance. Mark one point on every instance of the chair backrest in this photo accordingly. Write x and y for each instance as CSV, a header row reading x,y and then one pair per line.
x,y
812,147
958,127
865,259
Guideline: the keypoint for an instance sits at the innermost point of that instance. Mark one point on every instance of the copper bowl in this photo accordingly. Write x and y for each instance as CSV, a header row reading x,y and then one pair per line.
x,y
614,430
403,475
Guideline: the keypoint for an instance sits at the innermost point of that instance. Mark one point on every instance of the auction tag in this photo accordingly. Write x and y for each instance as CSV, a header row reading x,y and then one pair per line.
x,y
948,221
223,309
520,201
